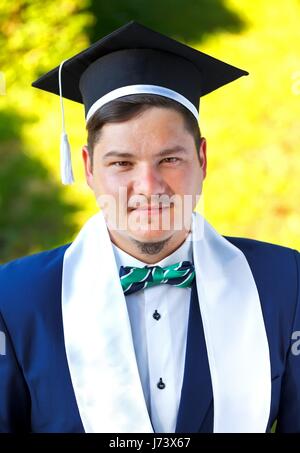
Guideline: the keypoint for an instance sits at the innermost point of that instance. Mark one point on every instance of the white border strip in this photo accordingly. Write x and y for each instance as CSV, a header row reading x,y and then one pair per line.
x,y
136,89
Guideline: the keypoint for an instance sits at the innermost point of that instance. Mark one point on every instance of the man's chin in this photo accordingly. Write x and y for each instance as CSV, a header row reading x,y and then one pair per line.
x,y
148,235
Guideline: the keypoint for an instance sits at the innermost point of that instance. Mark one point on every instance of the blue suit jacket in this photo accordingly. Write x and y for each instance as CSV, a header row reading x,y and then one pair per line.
x,y
36,393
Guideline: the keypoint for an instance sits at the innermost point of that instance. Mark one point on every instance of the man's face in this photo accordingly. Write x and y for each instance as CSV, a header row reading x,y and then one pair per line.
x,y
149,167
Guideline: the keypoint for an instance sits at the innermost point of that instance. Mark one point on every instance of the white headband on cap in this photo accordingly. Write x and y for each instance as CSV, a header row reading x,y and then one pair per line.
x,y
141,89
65,151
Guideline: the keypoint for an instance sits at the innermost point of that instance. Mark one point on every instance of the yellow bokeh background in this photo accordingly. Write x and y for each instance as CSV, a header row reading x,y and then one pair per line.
x,y
252,126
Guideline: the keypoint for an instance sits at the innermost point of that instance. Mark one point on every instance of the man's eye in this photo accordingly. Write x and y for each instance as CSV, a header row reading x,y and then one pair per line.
x,y
121,163
171,160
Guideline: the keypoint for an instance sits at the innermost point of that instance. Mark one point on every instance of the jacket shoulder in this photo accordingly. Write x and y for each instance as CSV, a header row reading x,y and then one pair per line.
x,y
276,271
34,258
24,278
251,246
274,263
261,254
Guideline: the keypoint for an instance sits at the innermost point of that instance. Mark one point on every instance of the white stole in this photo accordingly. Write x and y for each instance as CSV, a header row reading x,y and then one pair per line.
x,y
100,349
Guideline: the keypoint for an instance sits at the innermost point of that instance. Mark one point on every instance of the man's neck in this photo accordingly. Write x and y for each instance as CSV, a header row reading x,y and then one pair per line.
x,y
146,251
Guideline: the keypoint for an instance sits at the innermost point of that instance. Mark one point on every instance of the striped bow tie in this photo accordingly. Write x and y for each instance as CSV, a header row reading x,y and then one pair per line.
x,y
136,278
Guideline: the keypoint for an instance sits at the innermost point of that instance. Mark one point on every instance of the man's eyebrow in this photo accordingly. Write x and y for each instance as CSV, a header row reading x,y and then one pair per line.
x,y
164,152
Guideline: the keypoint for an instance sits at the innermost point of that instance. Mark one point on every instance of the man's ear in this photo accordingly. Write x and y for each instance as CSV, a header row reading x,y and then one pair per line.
x,y
202,155
87,166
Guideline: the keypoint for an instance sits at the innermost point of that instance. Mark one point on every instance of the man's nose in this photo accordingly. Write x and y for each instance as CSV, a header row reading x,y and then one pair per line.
x,y
148,181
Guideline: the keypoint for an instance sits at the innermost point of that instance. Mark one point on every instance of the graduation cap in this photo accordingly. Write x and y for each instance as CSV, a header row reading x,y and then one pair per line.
x,y
134,59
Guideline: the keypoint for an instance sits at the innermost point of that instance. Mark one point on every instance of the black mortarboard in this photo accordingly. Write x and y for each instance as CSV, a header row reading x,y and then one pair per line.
x,y
135,59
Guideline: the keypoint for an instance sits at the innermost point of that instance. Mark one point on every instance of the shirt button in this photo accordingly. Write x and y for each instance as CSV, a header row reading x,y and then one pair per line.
x,y
161,385
156,315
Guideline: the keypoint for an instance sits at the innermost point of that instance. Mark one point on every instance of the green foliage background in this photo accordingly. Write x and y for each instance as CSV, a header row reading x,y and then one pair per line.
x,y
252,125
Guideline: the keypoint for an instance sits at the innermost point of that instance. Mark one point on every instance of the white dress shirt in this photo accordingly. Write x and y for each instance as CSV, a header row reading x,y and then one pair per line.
x,y
160,341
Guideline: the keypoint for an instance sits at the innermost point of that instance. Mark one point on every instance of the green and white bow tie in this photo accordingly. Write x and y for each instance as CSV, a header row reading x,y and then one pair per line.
x,y
137,278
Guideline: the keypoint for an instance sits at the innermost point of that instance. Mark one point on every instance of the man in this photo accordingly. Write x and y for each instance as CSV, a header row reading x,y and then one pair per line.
x,y
150,321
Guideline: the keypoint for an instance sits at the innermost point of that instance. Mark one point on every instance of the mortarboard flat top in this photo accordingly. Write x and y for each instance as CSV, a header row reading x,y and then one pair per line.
x,y
114,61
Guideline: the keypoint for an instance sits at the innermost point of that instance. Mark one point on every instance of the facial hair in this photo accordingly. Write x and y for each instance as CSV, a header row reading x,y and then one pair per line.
x,y
151,248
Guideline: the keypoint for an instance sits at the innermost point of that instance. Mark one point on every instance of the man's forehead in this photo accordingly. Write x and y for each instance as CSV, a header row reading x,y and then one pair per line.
x,y
158,131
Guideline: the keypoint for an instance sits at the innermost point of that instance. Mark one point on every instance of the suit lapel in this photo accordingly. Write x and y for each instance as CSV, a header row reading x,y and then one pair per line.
x,y
196,394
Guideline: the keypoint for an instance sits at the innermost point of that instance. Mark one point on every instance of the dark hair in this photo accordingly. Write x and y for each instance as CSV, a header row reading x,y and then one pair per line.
x,y
127,107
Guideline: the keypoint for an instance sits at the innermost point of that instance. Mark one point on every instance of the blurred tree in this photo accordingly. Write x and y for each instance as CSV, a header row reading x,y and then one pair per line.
x,y
252,126
34,213
186,20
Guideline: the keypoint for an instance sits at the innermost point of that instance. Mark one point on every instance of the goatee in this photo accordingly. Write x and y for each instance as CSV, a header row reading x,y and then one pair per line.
x,y
151,248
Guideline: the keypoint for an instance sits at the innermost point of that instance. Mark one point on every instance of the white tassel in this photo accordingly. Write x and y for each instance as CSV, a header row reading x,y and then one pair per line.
x,y
65,150
65,160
